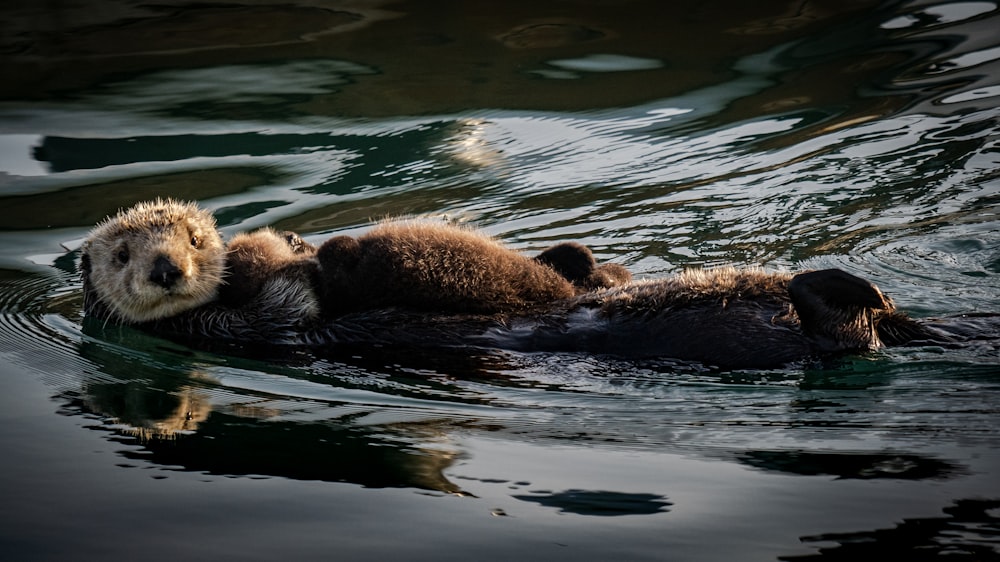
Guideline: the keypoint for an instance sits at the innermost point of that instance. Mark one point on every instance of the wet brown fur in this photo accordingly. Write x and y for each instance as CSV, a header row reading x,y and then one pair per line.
x,y
424,266
433,266
254,258
576,263
835,310
720,287
725,316
471,289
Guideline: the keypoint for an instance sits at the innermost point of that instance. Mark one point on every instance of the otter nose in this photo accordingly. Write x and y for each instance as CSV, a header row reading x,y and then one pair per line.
x,y
164,272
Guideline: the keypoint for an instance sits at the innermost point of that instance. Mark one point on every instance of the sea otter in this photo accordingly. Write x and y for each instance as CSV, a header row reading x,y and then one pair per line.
x,y
426,266
159,259
725,317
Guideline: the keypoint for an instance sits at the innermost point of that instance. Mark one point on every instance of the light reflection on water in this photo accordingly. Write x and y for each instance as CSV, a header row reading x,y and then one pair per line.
x,y
895,180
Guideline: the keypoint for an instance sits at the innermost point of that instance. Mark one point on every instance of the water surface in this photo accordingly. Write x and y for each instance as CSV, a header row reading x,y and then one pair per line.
x,y
786,135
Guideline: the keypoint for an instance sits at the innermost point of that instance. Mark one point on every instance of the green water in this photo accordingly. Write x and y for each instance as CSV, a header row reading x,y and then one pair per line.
x,y
663,135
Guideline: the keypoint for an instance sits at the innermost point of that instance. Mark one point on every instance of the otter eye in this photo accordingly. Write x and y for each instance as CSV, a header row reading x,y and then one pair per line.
x,y
195,241
123,256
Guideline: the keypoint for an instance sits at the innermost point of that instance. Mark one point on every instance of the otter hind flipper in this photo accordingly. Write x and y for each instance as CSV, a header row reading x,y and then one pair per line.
x,y
837,309
835,288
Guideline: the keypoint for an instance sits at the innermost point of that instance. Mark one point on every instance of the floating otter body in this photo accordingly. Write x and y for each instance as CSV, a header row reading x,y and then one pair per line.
x,y
442,268
406,284
160,259
724,317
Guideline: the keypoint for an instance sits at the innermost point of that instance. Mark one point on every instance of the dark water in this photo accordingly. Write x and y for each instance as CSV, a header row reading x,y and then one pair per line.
x,y
855,135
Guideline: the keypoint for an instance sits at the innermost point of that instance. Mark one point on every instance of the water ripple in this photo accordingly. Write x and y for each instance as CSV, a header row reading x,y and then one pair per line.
x,y
34,333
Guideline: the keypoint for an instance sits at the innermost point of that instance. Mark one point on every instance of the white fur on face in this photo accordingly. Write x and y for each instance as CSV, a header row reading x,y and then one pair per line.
x,y
123,249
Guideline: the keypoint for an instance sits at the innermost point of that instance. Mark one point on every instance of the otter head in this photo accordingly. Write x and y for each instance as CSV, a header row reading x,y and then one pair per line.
x,y
152,261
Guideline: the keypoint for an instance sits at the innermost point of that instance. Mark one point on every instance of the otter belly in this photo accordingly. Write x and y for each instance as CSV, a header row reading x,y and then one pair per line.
x,y
739,334
743,335
727,319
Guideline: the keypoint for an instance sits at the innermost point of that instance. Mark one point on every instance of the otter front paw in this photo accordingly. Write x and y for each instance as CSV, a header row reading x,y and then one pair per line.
x,y
296,243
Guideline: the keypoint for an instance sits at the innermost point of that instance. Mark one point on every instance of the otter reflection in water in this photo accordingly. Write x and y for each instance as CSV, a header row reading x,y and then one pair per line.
x,y
966,531
182,420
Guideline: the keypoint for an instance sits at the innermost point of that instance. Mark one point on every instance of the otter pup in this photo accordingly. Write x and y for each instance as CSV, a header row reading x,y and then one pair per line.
x,y
425,266
433,267
163,258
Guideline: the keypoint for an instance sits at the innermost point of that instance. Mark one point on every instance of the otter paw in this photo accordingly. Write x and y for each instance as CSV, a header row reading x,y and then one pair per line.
x,y
296,243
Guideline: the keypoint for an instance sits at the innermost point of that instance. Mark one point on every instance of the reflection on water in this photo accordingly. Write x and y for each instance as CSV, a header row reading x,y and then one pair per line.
x,y
850,465
783,134
607,504
968,532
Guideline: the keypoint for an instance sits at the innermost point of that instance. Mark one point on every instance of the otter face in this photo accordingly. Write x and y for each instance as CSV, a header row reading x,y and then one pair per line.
x,y
154,260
